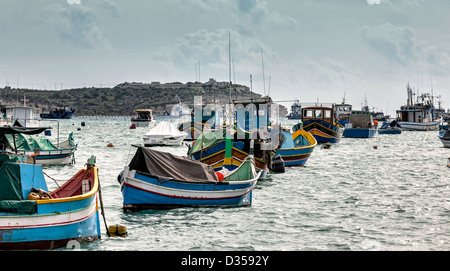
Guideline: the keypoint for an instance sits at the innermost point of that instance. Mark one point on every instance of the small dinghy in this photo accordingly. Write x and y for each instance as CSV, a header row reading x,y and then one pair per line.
x,y
164,134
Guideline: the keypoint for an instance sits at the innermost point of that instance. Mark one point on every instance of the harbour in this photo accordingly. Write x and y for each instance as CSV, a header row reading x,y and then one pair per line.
x,y
348,197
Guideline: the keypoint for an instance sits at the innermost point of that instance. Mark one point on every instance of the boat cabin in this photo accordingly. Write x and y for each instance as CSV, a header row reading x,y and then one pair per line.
x,y
318,113
360,119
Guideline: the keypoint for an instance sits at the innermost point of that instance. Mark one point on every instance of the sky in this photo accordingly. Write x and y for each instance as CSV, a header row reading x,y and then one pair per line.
x,y
306,50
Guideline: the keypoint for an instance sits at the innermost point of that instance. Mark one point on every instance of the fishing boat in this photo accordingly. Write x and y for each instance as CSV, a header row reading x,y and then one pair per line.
x,y
360,125
23,116
418,116
296,147
164,134
32,217
144,118
251,124
296,111
210,148
445,139
207,118
63,112
155,179
19,140
390,127
320,121
342,112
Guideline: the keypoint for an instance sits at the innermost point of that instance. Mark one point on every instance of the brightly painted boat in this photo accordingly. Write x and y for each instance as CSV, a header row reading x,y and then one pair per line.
x,y
42,150
418,116
321,123
176,181
31,217
296,147
209,148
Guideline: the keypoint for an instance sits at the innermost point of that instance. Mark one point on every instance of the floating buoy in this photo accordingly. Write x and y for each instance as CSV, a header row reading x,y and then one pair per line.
x,y
326,146
448,162
375,147
78,129
118,230
133,126
83,124
110,145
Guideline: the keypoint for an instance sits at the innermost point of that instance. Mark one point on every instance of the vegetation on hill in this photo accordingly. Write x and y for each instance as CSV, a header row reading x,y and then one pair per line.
x,y
125,98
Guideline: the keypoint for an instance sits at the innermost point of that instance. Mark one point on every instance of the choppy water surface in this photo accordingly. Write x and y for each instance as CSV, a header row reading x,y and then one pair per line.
x,y
349,197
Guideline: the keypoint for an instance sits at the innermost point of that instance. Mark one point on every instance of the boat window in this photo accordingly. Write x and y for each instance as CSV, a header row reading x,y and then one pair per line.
x,y
309,114
327,113
318,113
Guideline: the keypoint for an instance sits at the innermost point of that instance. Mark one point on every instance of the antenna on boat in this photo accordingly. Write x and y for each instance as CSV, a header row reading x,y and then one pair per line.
x,y
264,78
229,61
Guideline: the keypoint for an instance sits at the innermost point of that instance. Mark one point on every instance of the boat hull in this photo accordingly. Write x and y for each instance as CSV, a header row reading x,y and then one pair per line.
x,y
55,221
389,131
295,157
53,157
141,191
163,140
418,126
323,131
359,132
445,142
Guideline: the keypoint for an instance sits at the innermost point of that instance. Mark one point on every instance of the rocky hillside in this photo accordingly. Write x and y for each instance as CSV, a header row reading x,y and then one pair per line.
x,y
124,98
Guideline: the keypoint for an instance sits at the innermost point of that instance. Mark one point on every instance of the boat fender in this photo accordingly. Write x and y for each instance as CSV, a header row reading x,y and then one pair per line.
x,y
38,194
219,175
118,230
278,164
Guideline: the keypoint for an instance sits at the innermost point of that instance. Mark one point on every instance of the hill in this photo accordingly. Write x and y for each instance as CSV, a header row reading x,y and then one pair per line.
x,y
123,99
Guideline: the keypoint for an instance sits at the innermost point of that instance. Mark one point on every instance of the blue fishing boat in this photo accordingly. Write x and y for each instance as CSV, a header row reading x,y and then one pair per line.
x,y
390,127
321,123
155,179
360,125
31,217
63,112
296,147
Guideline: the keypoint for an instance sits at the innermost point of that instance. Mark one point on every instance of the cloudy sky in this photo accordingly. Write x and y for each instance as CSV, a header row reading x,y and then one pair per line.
x,y
312,49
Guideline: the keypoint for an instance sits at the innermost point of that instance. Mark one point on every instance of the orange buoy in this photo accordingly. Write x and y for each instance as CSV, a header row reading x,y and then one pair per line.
x,y
110,145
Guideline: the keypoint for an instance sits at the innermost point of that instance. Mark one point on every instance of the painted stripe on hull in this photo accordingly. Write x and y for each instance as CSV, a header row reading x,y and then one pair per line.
x,y
323,132
51,231
415,126
136,191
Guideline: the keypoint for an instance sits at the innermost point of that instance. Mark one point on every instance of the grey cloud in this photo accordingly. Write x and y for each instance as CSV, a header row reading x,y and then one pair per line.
x,y
397,43
78,25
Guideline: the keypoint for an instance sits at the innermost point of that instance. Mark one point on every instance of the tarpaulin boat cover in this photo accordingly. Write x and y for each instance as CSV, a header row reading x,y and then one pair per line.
x,y
11,192
164,128
166,165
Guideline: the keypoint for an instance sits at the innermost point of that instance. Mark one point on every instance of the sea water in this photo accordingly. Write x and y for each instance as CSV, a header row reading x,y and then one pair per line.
x,y
350,197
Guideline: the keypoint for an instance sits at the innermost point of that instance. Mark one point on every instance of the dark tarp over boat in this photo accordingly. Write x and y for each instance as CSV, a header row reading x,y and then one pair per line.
x,y
166,165
392,124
